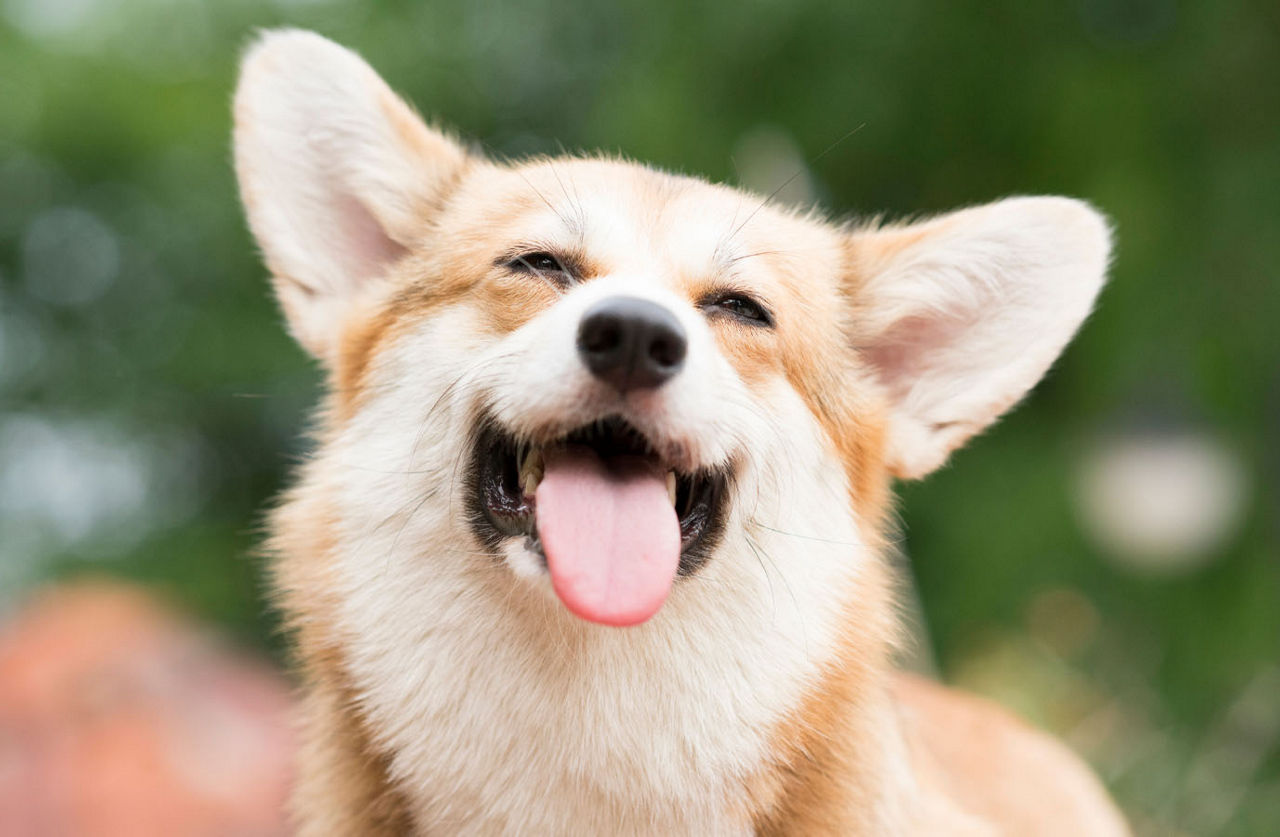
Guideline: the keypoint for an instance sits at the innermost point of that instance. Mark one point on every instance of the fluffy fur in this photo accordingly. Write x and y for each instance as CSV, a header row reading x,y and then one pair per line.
x,y
447,689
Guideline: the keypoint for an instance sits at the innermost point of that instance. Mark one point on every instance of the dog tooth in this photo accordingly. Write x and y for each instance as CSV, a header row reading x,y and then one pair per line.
x,y
531,471
671,486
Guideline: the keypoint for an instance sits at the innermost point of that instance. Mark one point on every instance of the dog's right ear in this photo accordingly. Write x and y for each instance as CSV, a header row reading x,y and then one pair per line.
x,y
960,315
338,176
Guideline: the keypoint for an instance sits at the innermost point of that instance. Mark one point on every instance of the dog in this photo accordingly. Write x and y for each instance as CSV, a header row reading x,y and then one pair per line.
x,y
594,536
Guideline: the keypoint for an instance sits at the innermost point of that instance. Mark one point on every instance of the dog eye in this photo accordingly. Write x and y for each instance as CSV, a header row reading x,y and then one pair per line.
x,y
743,308
540,264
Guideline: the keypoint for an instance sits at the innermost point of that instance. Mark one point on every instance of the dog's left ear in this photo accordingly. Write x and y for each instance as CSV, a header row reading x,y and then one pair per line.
x,y
339,177
961,315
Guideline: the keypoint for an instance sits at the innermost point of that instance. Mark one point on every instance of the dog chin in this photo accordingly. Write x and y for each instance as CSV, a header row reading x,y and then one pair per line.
x,y
526,561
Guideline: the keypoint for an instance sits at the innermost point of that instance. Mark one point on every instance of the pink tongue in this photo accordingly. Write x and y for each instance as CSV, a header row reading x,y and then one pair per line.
x,y
610,533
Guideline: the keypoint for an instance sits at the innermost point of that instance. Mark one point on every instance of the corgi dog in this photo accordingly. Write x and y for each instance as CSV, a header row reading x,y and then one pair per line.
x,y
594,536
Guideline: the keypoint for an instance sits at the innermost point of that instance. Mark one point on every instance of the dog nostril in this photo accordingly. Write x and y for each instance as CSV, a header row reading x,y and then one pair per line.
x,y
667,353
602,336
631,343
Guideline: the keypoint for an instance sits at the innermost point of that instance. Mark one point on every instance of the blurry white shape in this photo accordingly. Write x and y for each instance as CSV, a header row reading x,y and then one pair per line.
x,y
50,18
1161,502
69,257
68,478
89,487
768,160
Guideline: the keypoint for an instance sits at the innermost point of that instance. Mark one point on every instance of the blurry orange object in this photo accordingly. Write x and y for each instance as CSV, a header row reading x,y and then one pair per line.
x,y
119,718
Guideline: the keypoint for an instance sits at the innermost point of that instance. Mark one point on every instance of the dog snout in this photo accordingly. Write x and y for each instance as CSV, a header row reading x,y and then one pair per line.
x,y
631,343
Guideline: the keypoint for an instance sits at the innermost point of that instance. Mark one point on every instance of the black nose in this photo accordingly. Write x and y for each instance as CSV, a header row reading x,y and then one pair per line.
x,y
631,343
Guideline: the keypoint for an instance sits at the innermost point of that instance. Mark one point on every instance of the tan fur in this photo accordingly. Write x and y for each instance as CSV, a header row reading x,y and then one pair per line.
x,y
846,746
834,768
969,750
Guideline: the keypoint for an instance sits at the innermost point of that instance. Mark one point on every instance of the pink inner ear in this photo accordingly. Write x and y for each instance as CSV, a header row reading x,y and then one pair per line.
x,y
362,245
910,347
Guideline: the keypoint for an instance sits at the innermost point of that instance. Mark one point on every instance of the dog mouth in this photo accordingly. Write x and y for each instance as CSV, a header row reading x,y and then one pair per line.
x,y
611,519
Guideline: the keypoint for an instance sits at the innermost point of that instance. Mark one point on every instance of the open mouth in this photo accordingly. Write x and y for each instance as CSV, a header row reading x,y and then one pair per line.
x,y
598,500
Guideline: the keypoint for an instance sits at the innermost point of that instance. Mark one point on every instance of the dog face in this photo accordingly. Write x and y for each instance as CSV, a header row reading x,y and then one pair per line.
x,y
577,391
626,383
609,376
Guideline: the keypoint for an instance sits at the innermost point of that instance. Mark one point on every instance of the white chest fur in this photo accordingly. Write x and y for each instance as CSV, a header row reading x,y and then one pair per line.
x,y
505,713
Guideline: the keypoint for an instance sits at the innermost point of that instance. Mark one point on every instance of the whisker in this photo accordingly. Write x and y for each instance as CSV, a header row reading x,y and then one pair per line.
x,y
800,613
773,600
568,222
816,538
801,170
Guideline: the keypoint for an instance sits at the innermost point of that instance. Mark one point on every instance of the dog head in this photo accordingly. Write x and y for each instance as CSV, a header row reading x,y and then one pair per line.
x,y
585,377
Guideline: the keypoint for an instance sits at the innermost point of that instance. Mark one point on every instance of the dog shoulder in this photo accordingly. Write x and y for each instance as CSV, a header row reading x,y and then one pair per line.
x,y
998,768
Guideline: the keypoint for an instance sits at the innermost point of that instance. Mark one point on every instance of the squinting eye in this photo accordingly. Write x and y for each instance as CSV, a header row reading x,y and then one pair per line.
x,y
540,264
744,308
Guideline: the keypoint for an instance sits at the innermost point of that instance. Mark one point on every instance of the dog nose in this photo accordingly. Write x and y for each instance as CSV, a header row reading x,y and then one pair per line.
x,y
631,343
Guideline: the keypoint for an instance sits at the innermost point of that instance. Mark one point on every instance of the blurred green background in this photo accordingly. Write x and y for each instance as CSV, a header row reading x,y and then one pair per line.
x,y
1107,561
